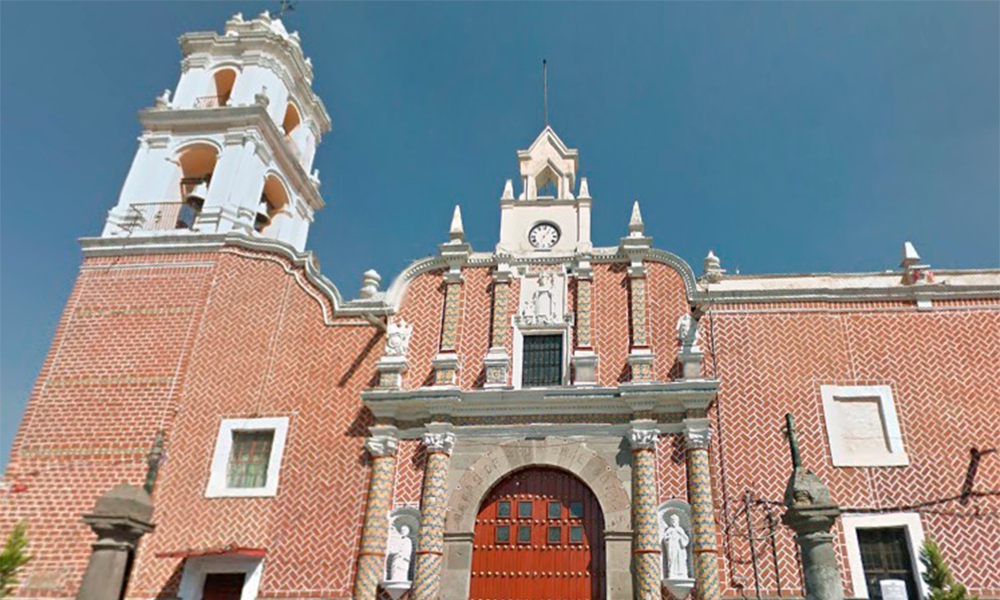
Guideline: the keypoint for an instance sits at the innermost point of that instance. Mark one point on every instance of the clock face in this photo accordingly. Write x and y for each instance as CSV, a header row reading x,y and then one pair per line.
x,y
543,235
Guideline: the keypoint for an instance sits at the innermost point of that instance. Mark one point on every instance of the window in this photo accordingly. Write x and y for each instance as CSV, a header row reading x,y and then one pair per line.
x,y
555,535
503,534
503,509
524,510
225,577
862,426
542,360
247,458
881,547
524,534
576,510
555,510
576,535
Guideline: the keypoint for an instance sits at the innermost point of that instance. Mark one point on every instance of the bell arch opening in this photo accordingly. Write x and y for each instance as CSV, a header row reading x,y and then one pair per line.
x,y
539,533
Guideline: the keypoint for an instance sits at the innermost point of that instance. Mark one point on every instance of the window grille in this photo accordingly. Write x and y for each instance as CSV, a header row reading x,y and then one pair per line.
x,y
249,458
884,555
542,360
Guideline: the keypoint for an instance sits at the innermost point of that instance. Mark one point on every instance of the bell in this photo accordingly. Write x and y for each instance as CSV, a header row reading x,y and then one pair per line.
x,y
196,197
263,218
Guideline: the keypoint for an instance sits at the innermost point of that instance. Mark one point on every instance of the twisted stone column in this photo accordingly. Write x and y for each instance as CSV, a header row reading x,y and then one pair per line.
x,y
645,530
706,557
433,508
371,558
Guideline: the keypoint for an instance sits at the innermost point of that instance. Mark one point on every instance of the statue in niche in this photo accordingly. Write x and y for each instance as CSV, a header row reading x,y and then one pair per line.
x,y
397,341
400,555
687,331
675,543
542,299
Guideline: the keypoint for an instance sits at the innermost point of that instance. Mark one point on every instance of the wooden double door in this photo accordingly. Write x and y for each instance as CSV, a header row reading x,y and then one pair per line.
x,y
539,535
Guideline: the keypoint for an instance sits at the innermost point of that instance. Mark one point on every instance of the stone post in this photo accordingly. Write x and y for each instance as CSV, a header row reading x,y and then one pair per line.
x,y
811,514
497,362
439,441
645,529
371,559
121,516
703,543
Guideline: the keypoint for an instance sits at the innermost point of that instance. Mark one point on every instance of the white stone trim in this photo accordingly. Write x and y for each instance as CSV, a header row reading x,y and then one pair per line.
x,y
518,359
217,485
914,537
841,456
196,568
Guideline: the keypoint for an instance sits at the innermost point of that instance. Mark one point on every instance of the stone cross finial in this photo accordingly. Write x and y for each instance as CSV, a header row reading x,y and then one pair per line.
x,y
793,443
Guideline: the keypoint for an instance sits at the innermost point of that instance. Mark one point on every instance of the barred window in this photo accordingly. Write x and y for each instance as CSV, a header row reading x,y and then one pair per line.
x,y
542,362
249,458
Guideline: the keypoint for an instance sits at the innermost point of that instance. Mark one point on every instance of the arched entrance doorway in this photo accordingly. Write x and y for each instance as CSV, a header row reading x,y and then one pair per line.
x,y
538,535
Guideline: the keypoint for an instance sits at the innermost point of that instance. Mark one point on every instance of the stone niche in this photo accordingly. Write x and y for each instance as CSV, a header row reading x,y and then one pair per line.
x,y
404,530
674,520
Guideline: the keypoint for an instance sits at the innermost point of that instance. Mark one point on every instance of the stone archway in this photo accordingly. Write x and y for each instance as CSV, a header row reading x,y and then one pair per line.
x,y
480,477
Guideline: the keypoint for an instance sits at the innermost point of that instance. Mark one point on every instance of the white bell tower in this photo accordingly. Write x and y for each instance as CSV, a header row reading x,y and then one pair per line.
x,y
546,218
232,150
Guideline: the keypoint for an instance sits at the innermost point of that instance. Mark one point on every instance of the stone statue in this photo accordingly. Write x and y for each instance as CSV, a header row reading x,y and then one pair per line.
x,y
687,331
675,543
398,335
400,555
542,299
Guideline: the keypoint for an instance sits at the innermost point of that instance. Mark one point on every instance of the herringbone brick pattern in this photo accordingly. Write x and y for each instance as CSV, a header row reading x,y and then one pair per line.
x,y
671,472
410,461
474,343
423,306
667,302
611,322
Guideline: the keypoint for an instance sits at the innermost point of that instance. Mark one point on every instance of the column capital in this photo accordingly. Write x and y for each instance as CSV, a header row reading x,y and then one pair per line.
x,y
382,445
439,441
696,433
642,437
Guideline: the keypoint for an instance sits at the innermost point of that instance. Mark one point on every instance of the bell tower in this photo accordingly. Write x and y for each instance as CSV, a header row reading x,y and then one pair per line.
x,y
232,149
546,218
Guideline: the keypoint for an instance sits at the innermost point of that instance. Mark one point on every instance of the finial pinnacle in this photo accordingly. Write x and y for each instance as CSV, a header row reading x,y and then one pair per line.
x,y
457,230
635,226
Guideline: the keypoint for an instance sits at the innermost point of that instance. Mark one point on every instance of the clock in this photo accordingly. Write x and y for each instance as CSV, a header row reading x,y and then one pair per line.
x,y
543,236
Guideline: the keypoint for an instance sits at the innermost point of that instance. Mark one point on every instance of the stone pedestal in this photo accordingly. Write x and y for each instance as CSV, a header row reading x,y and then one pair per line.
x,y
120,518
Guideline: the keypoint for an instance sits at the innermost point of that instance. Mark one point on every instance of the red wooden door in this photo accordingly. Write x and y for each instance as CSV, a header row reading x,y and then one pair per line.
x,y
539,535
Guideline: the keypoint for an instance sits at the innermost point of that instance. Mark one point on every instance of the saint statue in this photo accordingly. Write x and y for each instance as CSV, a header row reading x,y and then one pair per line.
x,y
675,543
400,556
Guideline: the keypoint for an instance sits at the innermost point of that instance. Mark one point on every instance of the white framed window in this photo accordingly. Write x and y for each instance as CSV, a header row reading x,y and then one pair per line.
x,y
218,571
858,532
862,426
247,458
547,344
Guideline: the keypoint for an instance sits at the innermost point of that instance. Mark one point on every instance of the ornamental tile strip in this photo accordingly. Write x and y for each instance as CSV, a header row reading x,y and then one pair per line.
x,y
638,287
501,322
449,330
430,548
706,564
583,313
645,543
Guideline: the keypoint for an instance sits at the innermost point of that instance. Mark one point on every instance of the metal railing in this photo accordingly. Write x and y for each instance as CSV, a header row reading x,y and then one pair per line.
x,y
210,101
159,216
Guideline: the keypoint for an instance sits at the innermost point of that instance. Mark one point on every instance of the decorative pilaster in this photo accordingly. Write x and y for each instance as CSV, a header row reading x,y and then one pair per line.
x,y
703,543
635,245
455,252
497,362
439,441
371,559
645,530
584,359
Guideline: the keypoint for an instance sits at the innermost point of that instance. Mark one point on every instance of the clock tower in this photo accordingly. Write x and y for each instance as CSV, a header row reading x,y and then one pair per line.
x,y
546,218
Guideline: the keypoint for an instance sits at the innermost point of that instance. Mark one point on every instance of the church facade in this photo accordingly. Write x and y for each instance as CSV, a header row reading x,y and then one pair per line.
x,y
547,419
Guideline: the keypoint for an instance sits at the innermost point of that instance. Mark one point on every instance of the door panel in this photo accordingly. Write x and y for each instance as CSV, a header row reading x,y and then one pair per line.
x,y
539,535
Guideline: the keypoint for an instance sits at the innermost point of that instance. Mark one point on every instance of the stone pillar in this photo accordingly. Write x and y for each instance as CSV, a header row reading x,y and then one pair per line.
x,y
703,542
645,529
635,246
811,514
446,362
120,518
497,362
371,559
439,441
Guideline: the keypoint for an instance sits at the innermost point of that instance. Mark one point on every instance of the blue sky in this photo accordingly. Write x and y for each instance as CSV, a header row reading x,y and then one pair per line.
x,y
789,137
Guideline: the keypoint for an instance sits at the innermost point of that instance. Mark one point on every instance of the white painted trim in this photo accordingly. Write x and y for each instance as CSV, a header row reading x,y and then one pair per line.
x,y
896,456
196,568
217,485
518,359
914,537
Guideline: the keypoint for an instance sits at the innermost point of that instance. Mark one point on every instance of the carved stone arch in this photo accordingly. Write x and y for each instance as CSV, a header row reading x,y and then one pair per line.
x,y
513,456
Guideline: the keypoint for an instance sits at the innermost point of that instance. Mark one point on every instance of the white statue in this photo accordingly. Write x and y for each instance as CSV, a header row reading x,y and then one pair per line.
x,y
400,555
398,335
675,543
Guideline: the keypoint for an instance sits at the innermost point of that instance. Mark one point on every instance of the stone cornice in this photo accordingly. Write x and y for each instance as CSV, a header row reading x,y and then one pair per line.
x,y
423,403
213,120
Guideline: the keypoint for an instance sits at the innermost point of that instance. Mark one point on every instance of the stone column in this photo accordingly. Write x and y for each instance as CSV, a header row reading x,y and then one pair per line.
x,y
706,557
371,559
120,518
584,358
811,514
635,246
645,530
439,441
